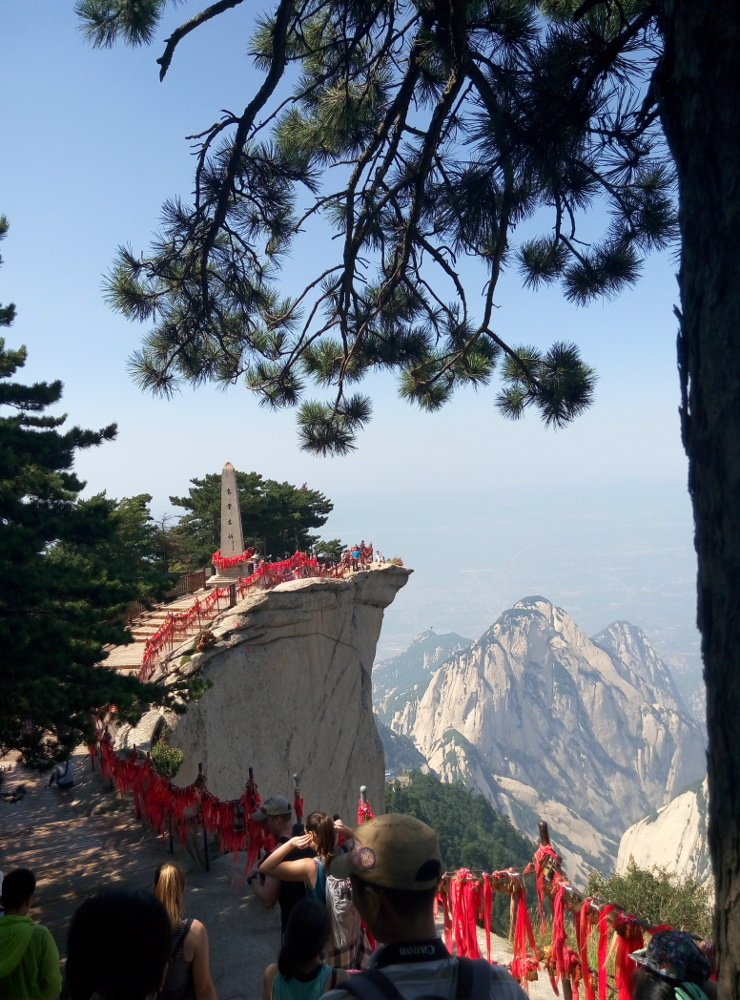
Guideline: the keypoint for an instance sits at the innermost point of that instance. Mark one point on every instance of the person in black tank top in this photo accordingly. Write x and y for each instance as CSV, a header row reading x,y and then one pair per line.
x,y
189,973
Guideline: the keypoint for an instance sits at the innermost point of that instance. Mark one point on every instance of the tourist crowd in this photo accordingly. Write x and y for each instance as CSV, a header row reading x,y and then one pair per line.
x,y
357,916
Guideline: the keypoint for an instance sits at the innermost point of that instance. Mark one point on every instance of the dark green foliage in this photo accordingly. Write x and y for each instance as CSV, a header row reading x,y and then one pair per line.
x,y
471,834
132,555
277,518
446,127
166,759
330,550
59,595
657,896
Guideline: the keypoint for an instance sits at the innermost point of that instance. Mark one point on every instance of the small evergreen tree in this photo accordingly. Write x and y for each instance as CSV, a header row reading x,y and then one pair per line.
x,y
58,597
471,833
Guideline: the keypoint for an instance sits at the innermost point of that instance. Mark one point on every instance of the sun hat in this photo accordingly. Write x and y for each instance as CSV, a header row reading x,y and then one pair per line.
x,y
276,805
393,851
674,955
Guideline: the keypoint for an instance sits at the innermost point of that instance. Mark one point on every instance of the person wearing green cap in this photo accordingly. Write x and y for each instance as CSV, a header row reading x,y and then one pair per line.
x,y
395,870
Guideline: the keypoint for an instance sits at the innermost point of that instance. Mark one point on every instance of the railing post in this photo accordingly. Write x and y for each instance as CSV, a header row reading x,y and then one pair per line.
x,y
201,779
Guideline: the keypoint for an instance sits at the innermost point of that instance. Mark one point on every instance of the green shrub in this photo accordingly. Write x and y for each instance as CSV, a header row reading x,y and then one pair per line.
x,y
658,896
166,759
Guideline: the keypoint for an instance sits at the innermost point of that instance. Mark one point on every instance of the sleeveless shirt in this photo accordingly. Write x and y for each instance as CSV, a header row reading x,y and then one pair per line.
x,y
179,982
309,988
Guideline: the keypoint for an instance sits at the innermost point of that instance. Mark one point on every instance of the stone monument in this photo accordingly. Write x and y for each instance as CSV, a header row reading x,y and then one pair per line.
x,y
232,535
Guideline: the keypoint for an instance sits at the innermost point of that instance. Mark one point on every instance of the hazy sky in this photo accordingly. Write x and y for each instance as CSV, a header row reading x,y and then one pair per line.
x,y
93,145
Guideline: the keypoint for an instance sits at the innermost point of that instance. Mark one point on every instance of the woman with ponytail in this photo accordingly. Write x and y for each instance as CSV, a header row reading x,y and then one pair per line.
x,y
347,948
189,972
300,973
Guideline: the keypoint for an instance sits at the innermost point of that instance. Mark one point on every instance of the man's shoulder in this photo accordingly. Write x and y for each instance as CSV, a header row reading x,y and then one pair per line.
x,y
414,981
42,935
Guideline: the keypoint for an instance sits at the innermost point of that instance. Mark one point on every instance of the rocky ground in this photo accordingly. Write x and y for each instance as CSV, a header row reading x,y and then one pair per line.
x,y
77,841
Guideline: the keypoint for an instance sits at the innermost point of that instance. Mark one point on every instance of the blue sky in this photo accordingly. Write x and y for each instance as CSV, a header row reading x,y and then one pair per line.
x,y
93,145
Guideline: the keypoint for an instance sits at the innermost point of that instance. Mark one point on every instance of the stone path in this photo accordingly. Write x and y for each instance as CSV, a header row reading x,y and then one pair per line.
x,y
73,855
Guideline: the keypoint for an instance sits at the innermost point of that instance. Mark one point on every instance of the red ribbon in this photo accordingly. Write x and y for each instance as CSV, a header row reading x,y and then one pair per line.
x,y
543,852
487,904
464,902
364,812
226,562
523,935
630,939
603,931
584,922
443,897
559,941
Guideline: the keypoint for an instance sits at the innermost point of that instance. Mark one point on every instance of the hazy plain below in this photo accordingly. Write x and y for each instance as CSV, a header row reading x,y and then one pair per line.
x,y
622,552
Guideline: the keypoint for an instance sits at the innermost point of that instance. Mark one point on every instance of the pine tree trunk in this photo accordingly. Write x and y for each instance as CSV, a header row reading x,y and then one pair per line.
x,y
701,114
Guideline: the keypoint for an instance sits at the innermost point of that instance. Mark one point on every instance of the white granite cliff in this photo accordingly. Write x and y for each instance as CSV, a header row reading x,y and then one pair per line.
x,y
290,692
674,838
549,724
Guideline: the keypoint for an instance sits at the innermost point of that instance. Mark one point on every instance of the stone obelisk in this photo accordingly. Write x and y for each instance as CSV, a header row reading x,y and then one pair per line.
x,y
232,536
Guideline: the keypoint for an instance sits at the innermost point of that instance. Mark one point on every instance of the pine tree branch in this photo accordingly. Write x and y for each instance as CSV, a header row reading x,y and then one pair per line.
x,y
205,15
269,84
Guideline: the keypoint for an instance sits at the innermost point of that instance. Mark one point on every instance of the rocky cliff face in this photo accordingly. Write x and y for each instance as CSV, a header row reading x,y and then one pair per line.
x,y
674,838
290,693
399,682
588,735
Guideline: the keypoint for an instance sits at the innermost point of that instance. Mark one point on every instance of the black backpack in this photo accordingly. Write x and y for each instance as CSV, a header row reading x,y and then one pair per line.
x,y
473,983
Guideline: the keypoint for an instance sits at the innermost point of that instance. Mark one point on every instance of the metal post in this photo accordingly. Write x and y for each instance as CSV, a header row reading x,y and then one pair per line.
x,y
232,595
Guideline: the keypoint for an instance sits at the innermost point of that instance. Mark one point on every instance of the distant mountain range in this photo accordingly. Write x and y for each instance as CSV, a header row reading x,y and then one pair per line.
x,y
589,734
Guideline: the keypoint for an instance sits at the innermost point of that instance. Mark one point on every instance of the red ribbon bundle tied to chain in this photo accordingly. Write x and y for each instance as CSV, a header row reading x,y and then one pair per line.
x,y
559,941
364,812
629,939
226,562
584,921
297,801
523,937
487,907
256,832
465,895
545,859
603,931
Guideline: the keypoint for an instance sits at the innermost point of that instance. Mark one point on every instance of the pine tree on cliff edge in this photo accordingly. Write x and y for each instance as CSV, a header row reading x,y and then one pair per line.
x,y
54,619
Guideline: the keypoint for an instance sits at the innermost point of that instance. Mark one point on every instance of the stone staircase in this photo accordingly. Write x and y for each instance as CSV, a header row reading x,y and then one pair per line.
x,y
127,659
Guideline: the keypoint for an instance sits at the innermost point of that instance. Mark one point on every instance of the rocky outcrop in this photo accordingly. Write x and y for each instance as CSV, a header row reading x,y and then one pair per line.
x,y
399,752
289,691
399,682
674,838
535,713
